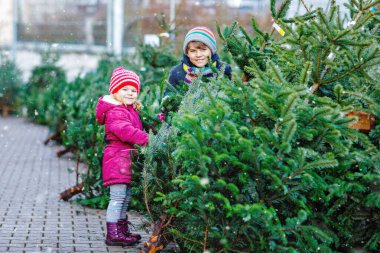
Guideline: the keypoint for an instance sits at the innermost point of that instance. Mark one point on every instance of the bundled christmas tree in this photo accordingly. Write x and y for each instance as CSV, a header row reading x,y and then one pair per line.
x,y
277,162
43,91
10,85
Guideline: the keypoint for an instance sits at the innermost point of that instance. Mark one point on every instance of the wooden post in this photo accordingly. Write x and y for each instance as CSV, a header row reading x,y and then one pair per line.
x,y
5,110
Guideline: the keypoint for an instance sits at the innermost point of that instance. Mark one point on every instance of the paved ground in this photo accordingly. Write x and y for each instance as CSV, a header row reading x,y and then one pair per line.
x,y
32,218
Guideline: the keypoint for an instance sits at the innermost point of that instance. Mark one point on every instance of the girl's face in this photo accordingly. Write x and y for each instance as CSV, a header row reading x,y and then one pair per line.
x,y
126,95
198,53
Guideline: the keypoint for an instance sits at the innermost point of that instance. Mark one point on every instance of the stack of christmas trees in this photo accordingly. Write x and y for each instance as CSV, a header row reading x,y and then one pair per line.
x,y
275,161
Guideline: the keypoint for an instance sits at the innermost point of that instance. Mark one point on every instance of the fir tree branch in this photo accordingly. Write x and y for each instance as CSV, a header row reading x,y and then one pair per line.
x,y
321,136
351,26
205,238
176,232
301,47
277,74
289,131
219,32
171,217
312,165
360,96
273,8
332,12
323,111
255,69
280,195
256,29
283,9
289,104
266,109
304,5
316,77
371,4
326,23
246,35
321,164
266,42
341,34
145,192
304,78
245,97
342,75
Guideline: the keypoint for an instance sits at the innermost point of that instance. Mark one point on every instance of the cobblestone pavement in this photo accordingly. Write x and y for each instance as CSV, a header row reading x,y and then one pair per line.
x,y
32,218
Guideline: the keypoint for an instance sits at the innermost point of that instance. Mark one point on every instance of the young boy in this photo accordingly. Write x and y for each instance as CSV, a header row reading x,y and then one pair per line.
x,y
199,47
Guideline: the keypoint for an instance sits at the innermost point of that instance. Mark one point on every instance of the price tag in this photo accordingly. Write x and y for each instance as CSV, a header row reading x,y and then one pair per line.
x,y
278,29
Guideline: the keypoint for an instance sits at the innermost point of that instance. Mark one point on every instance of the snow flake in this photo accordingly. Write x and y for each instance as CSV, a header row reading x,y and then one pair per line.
x,y
247,218
204,181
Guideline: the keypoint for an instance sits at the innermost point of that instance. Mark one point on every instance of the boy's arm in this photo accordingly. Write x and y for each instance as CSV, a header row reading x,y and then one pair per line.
x,y
173,82
228,71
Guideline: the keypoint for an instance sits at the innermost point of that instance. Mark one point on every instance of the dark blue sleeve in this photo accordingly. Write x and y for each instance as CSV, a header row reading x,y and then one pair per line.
x,y
176,75
173,77
228,71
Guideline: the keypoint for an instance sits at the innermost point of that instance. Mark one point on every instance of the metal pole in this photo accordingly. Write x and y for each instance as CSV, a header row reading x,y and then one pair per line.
x,y
109,25
14,28
172,18
118,27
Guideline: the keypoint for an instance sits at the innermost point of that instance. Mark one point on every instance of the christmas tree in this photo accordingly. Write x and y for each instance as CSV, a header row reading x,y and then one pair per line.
x,y
277,162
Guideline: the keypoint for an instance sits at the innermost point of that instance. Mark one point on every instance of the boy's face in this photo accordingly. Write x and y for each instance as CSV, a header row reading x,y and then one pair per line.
x,y
198,53
126,95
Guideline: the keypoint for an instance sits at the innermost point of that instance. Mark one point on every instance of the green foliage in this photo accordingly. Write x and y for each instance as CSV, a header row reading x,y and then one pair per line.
x,y
10,82
269,164
43,92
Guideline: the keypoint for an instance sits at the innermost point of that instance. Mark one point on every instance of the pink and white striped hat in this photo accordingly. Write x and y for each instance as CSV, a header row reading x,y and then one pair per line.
x,y
122,77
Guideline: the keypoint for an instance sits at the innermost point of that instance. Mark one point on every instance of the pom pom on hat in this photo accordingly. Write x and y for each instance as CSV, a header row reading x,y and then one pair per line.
x,y
202,34
122,77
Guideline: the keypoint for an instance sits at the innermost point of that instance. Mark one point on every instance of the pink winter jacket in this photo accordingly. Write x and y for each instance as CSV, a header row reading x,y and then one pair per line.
x,y
123,129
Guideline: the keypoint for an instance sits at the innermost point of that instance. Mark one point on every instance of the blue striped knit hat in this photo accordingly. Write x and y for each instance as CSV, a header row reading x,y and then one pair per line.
x,y
202,34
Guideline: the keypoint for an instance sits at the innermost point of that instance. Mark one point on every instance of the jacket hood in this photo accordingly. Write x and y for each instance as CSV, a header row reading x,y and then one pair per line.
x,y
105,104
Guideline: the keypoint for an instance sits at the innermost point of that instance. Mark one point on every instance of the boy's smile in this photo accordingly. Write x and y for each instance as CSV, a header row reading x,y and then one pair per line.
x,y
199,55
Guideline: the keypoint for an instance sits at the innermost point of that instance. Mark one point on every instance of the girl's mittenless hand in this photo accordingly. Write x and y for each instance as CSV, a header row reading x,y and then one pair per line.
x,y
137,105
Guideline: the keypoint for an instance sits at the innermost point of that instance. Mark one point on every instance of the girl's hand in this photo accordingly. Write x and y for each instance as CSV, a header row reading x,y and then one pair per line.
x,y
137,105
161,117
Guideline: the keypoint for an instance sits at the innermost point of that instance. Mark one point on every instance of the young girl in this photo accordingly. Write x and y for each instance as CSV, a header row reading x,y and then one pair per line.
x,y
199,47
123,129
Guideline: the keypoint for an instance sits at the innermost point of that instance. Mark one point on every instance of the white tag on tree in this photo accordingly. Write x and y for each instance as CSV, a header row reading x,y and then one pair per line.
x,y
278,29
